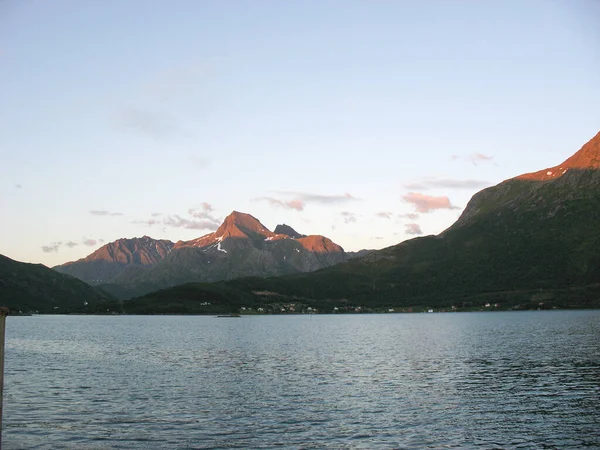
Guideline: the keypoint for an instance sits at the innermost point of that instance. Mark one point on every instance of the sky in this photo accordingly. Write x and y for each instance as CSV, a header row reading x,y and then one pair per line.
x,y
369,122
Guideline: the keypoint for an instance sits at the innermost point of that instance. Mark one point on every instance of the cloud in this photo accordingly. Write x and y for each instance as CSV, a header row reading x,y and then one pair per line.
x,y
148,222
101,241
203,216
296,204
307,197
348,217
413,228
384,215
474,158
199,219
204,212
427,203
378,237
477,158
411,216
18,186
153,125
52,248
433,183
190,224
103,212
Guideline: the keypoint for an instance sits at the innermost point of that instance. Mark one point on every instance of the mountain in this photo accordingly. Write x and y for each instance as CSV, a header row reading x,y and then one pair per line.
x,y
123,257
288,231
36,288
242,246
530,242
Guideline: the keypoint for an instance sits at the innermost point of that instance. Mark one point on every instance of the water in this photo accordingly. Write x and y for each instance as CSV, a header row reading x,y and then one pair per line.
x,y
467,380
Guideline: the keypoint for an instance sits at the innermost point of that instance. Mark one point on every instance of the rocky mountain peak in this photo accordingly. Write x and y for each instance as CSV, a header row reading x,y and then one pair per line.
x,y
239,224
320,244
288,231
235,225
588,157
144,251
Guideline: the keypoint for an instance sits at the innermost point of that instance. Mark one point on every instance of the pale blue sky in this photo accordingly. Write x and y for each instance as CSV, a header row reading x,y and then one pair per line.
x,y
130,118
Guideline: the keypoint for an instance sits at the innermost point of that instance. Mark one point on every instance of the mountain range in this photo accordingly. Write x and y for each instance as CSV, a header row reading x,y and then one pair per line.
x,y
529,242
242,246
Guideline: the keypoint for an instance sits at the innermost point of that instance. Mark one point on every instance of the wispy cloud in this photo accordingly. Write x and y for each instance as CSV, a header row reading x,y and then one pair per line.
x,y
413,228
51,248
198,219
296,204
18,186
348,217
427,203
190,224
434,183
308,197
149,222
103,212
474,158
384,215
203,212
412,216
54,247
478,158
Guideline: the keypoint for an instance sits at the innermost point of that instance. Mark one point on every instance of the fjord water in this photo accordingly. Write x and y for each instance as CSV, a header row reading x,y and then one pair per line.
x,y
464,380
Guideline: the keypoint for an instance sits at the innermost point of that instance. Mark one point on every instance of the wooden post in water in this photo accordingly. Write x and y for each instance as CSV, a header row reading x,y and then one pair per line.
x,y
3,314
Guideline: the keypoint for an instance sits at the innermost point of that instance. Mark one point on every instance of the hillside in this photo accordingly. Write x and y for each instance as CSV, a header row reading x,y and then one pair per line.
x,y
36,288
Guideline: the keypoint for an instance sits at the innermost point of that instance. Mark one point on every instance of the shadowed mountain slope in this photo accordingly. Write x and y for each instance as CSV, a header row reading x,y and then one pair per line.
x,y
36,288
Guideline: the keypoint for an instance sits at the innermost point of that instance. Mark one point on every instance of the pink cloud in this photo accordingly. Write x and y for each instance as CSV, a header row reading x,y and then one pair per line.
x,y
90,242
413,228
412,216
427,203
480,158
296,204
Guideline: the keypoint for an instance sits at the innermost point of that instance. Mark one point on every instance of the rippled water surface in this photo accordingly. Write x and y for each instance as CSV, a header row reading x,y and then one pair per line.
x,y
487,380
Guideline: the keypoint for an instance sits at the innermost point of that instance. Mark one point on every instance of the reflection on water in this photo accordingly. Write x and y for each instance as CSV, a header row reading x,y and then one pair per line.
x,y
489,380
